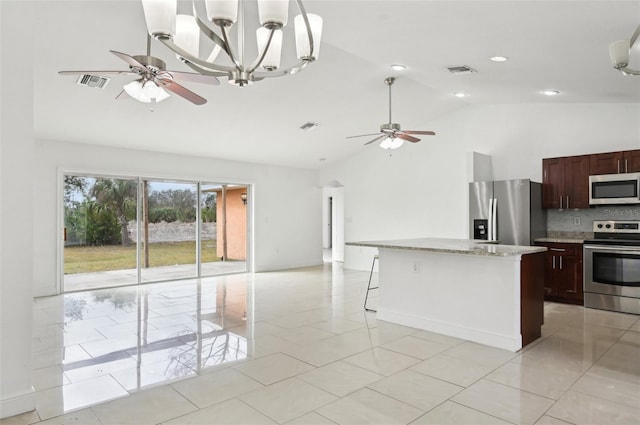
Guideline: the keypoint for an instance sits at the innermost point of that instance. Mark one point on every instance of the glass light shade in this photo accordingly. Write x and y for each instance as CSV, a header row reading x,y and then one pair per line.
x,y
619,53
134,89
161,95
160,16
222,10
302,39
187,34
273,12
386,143
396,143
271,60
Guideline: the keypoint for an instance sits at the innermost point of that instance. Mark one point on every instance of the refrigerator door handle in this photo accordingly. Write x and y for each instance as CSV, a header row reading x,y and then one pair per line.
x,y
490,221
494,219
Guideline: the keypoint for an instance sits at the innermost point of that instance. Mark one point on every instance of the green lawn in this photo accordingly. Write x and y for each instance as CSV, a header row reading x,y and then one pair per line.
x,y
86,259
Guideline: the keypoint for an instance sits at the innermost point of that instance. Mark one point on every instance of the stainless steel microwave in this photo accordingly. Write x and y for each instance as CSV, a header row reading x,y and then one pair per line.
x,y
611,189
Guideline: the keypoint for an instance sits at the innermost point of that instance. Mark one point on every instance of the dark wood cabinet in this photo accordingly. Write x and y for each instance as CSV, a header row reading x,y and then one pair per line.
x,y
563,272
615,162
565,182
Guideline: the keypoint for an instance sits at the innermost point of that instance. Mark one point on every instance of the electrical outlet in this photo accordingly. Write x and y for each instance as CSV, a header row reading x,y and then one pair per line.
x,y
576,221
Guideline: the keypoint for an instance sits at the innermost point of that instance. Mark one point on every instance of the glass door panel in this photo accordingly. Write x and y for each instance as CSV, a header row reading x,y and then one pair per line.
x,y
168,230
99,213
224,228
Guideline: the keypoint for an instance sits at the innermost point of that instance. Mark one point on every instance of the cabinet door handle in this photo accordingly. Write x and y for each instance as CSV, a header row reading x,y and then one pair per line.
x,y
554,262
560,201
557,249
567,201
626,165
618,166
560,262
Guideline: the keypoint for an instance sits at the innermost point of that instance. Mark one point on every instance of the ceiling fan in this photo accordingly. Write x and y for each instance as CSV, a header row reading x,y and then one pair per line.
x,y
390,133
154,78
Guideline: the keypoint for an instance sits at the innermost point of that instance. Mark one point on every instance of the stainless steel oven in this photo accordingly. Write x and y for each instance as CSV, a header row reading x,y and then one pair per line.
x,y
612,267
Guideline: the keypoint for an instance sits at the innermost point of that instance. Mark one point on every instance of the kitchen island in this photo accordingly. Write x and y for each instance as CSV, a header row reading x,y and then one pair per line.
x,y
470,289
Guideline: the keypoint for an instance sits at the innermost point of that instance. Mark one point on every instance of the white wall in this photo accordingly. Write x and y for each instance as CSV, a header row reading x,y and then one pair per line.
x,y
421,189
286,201
16,218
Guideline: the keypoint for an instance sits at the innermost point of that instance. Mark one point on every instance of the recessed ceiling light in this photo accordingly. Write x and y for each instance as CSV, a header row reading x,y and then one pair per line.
x,y
398,67
551,92
499,58
460,94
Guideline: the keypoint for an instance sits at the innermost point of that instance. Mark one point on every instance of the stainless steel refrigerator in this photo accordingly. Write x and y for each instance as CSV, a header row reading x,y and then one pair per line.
x,y
507,211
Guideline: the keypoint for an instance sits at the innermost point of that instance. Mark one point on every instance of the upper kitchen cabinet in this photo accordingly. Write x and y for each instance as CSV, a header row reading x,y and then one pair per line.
x,y
565,182
615,162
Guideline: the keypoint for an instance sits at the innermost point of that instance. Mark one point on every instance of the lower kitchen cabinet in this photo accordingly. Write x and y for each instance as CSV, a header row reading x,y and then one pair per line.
x,y
563,272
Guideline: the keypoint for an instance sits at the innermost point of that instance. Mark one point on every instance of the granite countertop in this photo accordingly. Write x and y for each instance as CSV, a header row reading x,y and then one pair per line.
x,y
452,246
566,237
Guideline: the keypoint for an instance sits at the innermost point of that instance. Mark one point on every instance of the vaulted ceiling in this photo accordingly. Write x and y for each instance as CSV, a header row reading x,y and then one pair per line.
x,y
560,45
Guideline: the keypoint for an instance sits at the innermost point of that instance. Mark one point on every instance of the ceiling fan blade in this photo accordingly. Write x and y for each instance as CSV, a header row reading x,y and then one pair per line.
x,y
181,91
363,135
192,77
376,139
128,59
127,72
407,138
426,133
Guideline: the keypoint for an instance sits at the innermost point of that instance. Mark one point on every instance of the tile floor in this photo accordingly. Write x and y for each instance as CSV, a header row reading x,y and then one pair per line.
x,y
296,347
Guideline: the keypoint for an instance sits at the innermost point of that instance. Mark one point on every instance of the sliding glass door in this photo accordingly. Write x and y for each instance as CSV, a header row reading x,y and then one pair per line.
x,y
99,213
122,231
169,230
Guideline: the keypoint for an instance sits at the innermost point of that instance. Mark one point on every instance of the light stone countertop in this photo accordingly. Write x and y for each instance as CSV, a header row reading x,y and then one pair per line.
x,y
452,246
560,240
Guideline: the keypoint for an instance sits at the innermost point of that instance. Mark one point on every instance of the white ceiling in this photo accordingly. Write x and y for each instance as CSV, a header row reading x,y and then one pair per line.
x,y
551,44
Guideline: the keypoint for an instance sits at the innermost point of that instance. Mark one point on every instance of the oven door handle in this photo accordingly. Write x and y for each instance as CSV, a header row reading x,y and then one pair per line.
x,y
612,248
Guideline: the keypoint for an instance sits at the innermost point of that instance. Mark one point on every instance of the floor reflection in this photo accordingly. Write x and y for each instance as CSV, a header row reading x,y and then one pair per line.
x,y
118,341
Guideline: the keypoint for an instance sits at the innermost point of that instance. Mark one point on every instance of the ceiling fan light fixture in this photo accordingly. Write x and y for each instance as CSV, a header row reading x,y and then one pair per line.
x,y
386,143
160,16
396,143
145,92
134,89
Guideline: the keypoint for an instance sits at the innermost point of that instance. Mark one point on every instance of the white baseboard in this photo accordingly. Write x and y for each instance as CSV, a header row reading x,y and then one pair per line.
x,y
287,266
505,342
18,404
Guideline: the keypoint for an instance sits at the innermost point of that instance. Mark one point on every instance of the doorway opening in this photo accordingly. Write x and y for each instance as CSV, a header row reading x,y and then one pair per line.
x,y
333,223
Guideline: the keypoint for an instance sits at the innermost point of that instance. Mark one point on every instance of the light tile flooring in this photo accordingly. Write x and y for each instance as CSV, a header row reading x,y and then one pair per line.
x,y
296,347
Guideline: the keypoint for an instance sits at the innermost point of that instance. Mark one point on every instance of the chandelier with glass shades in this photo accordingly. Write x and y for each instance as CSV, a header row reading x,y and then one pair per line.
x,y
215,20
620,52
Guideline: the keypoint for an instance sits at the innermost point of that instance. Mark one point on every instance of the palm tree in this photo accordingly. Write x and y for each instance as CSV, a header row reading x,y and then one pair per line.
x,y
116,195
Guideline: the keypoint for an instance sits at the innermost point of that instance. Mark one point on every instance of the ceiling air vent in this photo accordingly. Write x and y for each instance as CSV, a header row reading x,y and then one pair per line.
x,y
461,69
93,81
308,126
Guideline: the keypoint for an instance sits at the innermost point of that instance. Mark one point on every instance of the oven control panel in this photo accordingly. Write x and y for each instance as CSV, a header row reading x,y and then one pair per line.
x,y
614,226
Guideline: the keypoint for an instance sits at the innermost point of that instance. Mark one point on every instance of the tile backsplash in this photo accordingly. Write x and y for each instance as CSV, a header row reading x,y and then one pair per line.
x,y
581,220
